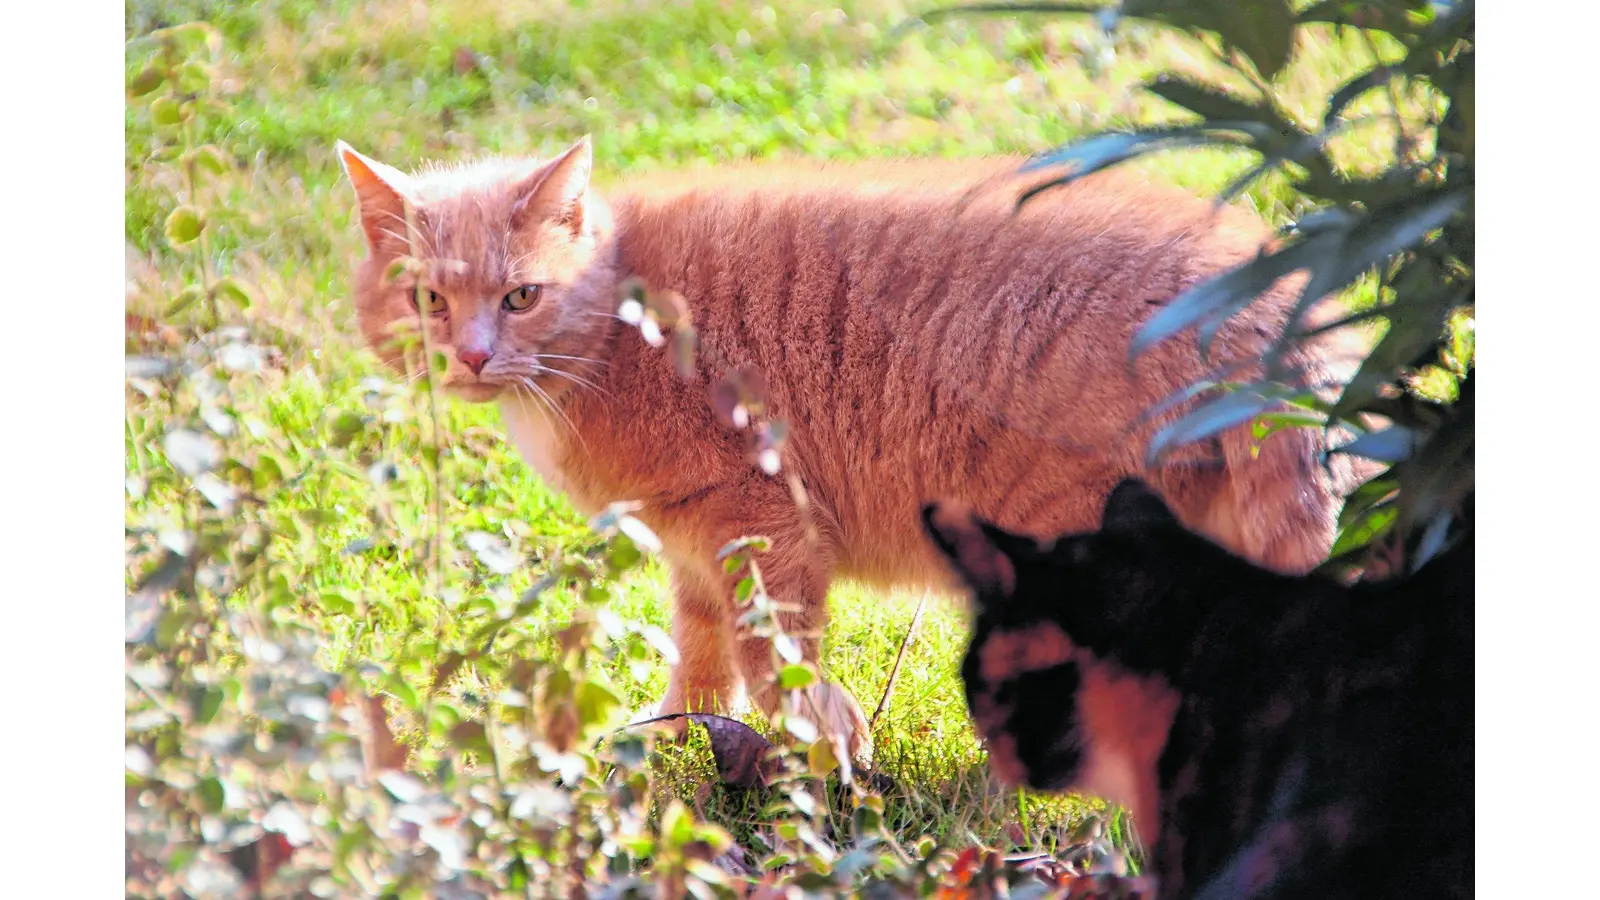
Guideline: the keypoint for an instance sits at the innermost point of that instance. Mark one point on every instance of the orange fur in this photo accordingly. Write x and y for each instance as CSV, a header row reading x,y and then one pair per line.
x,y
921,340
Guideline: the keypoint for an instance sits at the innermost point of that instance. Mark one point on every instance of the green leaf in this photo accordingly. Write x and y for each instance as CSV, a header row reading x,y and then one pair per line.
x,y
1104,150
183,225
820,758
185,299
208,704
1354,88
234,291
1391,445
596,703
166,112
1261,30
404,692
267,471
1214,301
1216,105
345,427
195,77
145,82
797,676
337,604
207,157
1368,527
212,794
1219,415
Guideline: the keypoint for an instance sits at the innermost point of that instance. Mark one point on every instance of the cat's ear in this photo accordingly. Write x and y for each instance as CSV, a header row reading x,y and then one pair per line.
x,y
1132,506
382,191
558,191
981,553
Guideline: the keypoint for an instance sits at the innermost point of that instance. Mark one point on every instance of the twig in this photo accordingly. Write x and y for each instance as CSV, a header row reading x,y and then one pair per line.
x,y
888,687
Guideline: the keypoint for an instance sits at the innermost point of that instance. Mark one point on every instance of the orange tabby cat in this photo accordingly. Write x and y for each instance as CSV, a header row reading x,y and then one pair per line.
x,y
920,340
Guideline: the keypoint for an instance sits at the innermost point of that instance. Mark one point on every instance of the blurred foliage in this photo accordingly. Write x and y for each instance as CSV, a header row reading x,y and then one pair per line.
x,y
1410,404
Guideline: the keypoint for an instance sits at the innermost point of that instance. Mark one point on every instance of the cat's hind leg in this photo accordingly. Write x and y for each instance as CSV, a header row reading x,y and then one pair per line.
x,y
798,587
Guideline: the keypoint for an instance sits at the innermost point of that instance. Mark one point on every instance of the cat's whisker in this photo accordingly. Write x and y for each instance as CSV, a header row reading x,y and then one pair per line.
x,y
575,379
550,404
534,369
597,362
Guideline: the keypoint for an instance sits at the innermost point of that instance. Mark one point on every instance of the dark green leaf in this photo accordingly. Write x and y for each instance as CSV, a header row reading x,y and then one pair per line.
x,y
1263,31
1390,445
1210,418
212,795
1355,87
207,705
1101,151
1217,106
1214,301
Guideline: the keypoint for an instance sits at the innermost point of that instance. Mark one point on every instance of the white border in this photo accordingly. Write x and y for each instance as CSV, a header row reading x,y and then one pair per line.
x,y
61,230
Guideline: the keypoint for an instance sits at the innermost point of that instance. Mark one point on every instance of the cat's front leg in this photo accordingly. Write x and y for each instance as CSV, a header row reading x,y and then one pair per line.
x,y
705,678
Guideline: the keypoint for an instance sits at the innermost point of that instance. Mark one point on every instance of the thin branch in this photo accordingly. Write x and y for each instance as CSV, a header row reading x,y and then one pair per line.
x,y
894,672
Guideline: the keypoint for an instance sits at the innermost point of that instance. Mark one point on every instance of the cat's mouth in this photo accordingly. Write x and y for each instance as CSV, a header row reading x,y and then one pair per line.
x,y
474,391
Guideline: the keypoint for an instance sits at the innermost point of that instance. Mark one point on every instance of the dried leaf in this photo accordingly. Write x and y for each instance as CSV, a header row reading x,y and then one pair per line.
x,y
741,753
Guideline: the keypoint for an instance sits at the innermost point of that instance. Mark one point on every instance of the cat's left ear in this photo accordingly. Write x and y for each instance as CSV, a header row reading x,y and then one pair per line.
x,y
981,553
382,192
1133,506
558,191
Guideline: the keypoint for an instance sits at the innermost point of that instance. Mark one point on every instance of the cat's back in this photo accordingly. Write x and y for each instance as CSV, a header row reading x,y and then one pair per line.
x,y
968,194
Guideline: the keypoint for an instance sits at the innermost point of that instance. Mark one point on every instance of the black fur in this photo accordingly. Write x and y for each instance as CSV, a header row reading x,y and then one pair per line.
x,y
1322,746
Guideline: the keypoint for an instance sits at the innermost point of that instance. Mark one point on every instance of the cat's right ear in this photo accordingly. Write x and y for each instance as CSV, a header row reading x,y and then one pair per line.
x,y
381,191
977,550
558,191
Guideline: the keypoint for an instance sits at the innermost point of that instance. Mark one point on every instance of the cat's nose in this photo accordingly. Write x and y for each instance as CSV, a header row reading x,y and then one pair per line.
x,y
474,359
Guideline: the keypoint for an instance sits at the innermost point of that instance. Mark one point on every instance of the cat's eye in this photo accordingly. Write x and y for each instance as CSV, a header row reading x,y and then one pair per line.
x,y
522,298
435,304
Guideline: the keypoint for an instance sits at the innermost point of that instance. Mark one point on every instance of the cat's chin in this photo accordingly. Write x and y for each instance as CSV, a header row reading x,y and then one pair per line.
x,y
474,392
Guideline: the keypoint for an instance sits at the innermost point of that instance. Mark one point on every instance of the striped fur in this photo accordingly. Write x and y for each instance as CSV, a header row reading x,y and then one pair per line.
x,y
921,340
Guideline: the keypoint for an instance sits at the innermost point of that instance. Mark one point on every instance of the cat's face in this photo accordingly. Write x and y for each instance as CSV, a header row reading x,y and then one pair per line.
x,y
506,270
1055,715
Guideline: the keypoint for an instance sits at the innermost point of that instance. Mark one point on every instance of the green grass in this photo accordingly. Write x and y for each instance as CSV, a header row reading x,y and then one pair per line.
x,y
658,86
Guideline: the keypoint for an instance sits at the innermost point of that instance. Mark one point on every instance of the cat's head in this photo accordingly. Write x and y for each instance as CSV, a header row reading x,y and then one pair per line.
x,y
1056,714
508,269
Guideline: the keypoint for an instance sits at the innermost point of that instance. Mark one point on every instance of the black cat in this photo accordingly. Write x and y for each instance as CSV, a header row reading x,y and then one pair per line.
x,y
1277,736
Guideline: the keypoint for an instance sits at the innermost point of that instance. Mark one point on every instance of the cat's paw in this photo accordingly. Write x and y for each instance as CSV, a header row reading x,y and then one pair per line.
x,y
676,729
839,716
